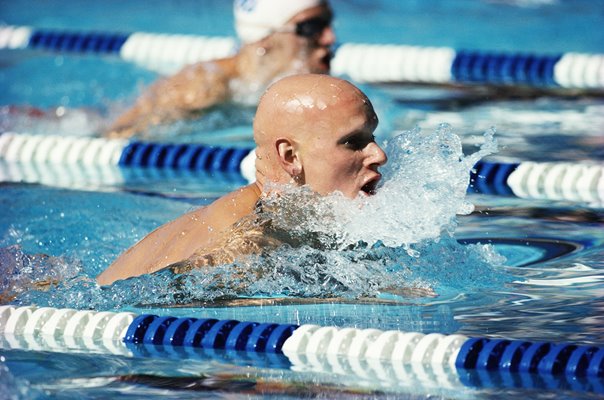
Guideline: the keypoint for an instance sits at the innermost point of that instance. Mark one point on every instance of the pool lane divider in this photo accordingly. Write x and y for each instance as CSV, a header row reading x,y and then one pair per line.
x,y
32,158
471,360
98,151
106,160
572,181
167,53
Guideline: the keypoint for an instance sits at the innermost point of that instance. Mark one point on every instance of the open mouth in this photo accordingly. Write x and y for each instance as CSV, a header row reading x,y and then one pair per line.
x,y
370,187
326,59
323,60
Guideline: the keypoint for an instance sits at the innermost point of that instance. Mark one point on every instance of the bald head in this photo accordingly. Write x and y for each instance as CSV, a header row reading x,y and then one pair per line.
x,y
297,114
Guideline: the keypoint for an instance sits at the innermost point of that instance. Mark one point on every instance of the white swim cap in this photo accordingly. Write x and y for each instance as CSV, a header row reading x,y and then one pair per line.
x,y
256,19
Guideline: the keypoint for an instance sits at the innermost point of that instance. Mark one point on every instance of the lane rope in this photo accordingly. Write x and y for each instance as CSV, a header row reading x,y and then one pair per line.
x,y
576,181
167,53
447,360
77,161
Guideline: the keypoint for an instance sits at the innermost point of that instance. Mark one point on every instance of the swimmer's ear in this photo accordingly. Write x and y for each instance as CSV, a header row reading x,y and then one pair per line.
x,y
288,157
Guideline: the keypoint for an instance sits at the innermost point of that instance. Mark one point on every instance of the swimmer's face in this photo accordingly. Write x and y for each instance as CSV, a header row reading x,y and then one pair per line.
x,y
309,36
341,153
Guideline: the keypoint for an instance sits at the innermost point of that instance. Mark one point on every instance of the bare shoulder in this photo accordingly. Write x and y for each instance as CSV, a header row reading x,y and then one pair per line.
x,y
242,200
179,239
224,212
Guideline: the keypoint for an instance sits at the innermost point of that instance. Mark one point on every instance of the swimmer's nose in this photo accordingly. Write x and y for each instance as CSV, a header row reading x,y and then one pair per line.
x,y
375,155
328,36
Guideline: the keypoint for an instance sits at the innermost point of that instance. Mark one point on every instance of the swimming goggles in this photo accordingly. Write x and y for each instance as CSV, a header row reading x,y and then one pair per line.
x,y
310,28
313,27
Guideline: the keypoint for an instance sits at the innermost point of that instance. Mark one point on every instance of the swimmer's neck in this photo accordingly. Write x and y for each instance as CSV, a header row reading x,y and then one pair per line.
x,y
257,187
256,66
246,77
244,66
272,178
247,65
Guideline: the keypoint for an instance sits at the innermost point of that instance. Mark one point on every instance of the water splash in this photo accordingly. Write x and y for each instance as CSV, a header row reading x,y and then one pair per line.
x,y
394,245
397,241
425,188
20,272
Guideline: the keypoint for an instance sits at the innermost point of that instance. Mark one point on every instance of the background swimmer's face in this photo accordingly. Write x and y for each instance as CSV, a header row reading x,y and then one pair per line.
x,y
308,37
340,153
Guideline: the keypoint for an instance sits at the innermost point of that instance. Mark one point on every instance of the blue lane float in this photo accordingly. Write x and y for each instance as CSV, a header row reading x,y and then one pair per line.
x,y
529,357
192,156
577,181
473,361
505,69
74,42
86,151
361,62
492,178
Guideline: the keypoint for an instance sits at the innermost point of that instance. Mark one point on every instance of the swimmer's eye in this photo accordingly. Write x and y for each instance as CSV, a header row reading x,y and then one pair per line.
x,y
358,142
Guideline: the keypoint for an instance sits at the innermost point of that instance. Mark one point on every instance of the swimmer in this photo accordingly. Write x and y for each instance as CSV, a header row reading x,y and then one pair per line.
x,y
279,38
313,130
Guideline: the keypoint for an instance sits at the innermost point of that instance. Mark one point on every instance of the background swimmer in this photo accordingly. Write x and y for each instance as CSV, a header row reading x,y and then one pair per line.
x,y
279,38
312,130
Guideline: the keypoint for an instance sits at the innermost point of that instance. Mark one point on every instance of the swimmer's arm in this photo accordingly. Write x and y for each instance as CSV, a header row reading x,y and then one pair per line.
x,y
194,88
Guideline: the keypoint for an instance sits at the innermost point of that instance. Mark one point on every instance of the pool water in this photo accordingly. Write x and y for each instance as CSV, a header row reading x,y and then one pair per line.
x,y
548,289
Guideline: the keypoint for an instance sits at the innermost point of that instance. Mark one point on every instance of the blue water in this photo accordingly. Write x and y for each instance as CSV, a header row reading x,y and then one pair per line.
x,y
549,288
